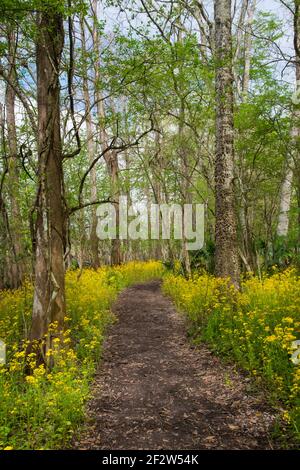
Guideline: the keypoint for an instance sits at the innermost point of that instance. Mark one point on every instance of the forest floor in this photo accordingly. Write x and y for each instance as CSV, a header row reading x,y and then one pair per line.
x,y
154,390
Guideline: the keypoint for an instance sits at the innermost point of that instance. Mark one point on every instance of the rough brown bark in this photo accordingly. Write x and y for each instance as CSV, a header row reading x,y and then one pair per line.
x,y
226,254
49,289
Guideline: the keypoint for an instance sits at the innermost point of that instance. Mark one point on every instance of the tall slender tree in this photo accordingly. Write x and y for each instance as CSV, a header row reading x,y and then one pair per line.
x,y
111,157
226,253
16,262
292,165
91,148
49,289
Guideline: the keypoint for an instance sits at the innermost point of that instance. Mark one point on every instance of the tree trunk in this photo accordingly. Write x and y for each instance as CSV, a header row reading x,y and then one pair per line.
x,y
247,239
296,110
91,150
127,241
5,233
113,171
226,254
16,262
49,288
157,186
247,49
239,38
186,186
292,163
285,200
111,157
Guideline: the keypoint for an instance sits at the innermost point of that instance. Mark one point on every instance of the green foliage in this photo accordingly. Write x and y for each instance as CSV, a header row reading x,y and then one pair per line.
x,y
15,9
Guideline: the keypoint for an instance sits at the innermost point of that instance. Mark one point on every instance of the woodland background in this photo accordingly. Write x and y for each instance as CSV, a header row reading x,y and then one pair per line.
x,y
165,102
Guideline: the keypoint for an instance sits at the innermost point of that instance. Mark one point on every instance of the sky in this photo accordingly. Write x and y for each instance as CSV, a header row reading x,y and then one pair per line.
x,y
114,18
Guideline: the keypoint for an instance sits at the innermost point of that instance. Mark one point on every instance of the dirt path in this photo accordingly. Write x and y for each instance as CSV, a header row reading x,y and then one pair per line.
x,y
153,391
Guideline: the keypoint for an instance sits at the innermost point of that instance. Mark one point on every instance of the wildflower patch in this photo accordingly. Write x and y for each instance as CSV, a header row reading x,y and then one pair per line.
x,y
42,409
258,327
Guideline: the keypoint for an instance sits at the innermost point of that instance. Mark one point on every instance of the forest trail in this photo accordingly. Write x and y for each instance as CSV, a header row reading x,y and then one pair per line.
x,y
154,391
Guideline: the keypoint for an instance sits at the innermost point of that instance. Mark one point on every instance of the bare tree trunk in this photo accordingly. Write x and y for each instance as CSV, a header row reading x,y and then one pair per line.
x,y
226,255
296,111
157,189
297,177
5,234
49,288
247,49
16,263
127,242
111,157
239,38
113,171
94,241
285,200
164,249
186,186
292,164
249,257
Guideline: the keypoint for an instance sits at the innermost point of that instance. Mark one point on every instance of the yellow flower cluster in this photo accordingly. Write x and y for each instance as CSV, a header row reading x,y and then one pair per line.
x,y
40,408
257,326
